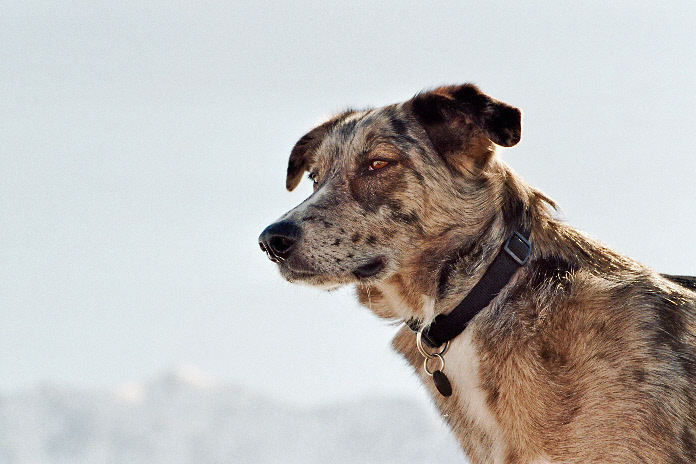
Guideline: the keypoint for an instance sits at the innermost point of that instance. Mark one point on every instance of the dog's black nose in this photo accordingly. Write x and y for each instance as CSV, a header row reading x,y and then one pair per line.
x,y
278,239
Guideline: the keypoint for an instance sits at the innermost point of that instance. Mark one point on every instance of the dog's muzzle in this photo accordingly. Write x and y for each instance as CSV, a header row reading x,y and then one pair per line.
x,y
278,240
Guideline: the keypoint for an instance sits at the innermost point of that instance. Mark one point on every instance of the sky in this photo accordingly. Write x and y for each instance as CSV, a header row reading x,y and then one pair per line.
x,y
143,148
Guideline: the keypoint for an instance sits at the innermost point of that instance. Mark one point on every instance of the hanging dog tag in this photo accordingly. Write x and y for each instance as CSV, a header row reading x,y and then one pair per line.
x,y
442,383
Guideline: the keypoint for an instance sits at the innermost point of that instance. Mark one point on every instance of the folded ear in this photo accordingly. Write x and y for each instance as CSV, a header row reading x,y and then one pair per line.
x,y
303,152
460,119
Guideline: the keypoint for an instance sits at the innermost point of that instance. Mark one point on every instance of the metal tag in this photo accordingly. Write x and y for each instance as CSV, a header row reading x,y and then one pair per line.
x,y
442,383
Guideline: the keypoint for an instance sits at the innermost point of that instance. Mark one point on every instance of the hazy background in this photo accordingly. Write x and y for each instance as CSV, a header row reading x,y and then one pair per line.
x,y
143,148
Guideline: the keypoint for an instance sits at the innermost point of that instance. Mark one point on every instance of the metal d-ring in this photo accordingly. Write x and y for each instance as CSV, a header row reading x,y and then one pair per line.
x,y
422,350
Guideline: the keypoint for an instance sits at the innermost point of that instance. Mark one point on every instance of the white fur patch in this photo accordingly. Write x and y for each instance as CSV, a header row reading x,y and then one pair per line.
x,y
428,310
462,368
393,300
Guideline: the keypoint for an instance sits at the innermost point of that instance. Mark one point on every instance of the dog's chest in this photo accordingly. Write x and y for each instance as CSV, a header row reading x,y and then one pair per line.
x,y
466,411
462,368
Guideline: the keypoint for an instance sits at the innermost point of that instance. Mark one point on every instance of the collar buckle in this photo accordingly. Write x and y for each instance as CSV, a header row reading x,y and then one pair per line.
x,y
518,248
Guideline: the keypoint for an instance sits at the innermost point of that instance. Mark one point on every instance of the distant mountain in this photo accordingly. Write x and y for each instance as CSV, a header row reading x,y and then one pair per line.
x,y
183,417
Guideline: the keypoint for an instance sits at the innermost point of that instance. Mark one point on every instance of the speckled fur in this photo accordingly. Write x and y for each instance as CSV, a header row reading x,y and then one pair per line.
x,y
585,356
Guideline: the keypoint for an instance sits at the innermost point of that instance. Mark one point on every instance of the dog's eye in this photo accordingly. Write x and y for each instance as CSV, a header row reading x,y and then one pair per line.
x,y
377,164
313,177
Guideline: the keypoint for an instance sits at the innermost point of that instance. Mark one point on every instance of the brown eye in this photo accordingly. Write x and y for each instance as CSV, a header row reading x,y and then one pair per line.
x,y
377,164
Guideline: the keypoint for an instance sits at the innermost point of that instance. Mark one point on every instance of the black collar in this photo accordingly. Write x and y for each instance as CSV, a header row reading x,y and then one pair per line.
x,y
514,254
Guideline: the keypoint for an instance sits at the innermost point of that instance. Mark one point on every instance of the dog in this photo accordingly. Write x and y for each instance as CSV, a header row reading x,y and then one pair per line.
x,y
576,355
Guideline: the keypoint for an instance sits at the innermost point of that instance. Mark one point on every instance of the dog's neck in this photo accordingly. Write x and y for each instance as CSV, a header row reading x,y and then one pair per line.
x,y
508,322
453,260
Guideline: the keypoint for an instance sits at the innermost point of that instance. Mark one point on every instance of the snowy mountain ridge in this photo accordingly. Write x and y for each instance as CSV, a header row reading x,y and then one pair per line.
x,y
185,416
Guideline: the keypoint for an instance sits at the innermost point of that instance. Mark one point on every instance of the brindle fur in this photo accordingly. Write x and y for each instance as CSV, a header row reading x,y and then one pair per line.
x,y
585,356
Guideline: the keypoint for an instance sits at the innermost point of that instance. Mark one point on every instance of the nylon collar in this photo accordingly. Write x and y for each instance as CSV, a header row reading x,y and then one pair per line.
x,y
514,254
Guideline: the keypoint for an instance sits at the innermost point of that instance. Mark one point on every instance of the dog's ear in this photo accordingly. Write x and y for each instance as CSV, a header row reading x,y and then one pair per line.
x,y
303,152
462,119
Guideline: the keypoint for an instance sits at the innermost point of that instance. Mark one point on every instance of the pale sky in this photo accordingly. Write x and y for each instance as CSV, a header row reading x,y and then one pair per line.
x,y
143,149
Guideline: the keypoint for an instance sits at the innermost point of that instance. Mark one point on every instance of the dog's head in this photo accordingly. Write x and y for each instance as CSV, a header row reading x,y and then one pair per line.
x,y
389,185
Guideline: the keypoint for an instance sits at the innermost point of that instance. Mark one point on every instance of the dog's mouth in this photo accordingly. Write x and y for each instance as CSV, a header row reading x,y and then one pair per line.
x,y
303,273
294,273
371,269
